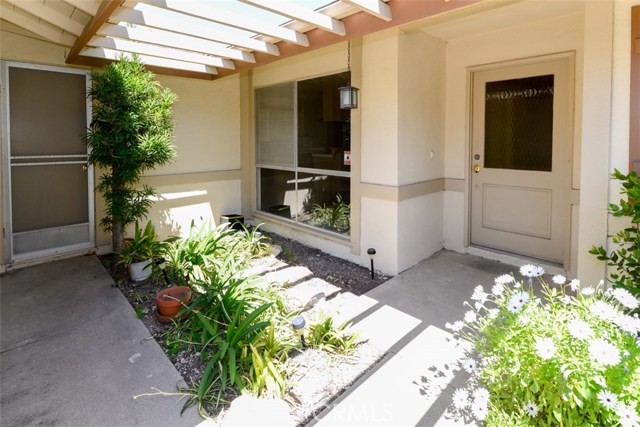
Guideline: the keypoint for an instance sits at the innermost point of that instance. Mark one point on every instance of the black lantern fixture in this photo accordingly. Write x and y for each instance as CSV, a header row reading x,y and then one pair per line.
x,y
371,252
348,94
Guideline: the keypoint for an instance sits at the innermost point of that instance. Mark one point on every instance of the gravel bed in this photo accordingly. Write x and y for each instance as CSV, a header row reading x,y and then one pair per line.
x,y
318,377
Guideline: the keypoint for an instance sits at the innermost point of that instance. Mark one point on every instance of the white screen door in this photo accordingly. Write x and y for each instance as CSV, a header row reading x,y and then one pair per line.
x,y
520,158
47,181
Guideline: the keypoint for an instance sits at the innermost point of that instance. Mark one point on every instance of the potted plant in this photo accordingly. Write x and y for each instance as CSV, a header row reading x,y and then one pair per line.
x,y
139,252
170,301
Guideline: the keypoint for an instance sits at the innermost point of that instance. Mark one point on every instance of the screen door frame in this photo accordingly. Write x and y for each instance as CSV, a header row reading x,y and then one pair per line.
x,y
9,255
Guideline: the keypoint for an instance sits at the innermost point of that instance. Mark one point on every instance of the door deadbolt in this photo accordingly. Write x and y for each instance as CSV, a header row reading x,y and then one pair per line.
x,y
476,168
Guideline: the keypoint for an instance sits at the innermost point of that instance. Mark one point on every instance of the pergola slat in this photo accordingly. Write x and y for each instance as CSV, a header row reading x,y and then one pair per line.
x,y
377,8
49,15
159,51
99,52
212,13
300,13
178,41
87,6
195,27
35,27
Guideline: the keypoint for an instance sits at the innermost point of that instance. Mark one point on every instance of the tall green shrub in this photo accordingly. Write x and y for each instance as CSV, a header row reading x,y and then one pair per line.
x,y
626,257
130,133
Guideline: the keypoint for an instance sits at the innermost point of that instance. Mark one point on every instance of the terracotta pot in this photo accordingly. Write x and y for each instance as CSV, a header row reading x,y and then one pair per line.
x,y
139,271
170,301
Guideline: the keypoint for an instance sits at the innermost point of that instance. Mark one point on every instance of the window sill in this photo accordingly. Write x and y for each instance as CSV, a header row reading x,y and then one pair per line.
x,y
310,230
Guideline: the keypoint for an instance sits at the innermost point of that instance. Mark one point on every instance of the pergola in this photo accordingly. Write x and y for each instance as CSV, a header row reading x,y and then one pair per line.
x,y
207,39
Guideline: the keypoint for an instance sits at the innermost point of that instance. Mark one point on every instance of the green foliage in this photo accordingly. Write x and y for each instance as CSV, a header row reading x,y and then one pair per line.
x,y
333,339
336,217
548,362
139,311
143,246
130,133
626,257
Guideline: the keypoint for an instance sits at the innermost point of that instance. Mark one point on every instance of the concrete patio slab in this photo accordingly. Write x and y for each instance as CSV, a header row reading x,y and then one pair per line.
x,y
73,353
414,382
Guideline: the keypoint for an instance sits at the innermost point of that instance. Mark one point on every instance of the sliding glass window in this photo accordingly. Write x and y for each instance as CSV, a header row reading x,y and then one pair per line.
x,y
304,153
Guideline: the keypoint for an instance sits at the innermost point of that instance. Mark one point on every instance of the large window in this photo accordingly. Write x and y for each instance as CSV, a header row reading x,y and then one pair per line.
x,y
303,153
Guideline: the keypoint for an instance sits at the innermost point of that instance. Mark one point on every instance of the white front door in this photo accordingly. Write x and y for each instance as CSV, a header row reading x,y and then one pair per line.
x,y
48,185
521,141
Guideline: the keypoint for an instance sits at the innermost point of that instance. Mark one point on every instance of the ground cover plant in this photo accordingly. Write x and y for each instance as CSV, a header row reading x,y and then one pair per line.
x,y
568,358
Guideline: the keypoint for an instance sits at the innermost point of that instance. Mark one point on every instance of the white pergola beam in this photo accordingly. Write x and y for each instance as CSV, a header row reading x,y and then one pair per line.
x,y
102,53
89,7
49,15
35,27
377,8
212,13
194,27
178,41
159,51
300,13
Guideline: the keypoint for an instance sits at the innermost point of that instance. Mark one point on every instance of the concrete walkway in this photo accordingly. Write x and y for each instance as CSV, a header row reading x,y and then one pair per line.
x,y
413,384
73,353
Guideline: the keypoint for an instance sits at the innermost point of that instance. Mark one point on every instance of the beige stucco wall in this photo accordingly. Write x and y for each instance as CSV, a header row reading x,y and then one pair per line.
x,y
205,180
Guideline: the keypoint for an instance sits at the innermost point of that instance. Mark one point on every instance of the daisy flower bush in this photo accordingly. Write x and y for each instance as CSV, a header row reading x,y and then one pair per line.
x,y
564,355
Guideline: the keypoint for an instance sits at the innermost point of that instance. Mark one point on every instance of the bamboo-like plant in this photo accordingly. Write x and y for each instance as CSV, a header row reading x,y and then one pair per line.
x,y
130,133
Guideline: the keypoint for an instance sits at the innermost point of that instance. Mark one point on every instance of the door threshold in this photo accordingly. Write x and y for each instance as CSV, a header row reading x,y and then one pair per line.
x,y
516,260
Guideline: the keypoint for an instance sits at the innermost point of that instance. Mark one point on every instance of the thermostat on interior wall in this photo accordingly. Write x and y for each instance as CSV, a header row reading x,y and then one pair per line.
x,y
347,157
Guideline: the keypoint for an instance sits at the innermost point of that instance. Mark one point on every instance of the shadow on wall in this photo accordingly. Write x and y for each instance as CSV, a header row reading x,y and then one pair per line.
x,y
172,213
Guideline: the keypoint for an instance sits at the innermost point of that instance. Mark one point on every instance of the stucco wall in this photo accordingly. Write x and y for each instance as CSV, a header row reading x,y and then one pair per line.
x,y
204,181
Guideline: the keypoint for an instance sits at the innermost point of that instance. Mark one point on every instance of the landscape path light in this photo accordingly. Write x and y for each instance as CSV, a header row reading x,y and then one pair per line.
x,y
298,324
371,252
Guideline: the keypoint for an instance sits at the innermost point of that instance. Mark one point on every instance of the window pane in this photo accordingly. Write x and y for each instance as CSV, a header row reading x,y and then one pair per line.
x,y
519,124
277,192
275,125
323,128
325,202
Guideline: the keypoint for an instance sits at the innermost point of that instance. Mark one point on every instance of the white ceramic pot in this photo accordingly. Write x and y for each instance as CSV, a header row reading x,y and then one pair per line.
x,y
138,271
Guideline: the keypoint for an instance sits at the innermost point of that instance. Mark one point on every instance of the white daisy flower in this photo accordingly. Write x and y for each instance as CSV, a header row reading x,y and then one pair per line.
x,y
545,348
528,270
574,285
604,352
524,320
504,279
603,310
588,291
470,316
579,329
480,410
517,301
628,415
455,326
461,399
497,289
628,323
469,365
565,299
481,394
531,409
538,271
479,294
559,279
608,399
492,313
625,298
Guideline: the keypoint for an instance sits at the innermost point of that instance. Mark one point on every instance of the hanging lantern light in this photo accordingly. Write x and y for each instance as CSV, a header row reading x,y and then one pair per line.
x,y
348,94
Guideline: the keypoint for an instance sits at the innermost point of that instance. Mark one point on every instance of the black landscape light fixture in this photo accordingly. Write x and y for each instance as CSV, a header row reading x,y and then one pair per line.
x,y
160,262
298,324
371,252
348,94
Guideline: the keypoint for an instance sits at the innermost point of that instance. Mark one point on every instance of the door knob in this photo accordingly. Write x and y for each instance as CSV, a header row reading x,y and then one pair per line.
x,y
85,167
476,168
